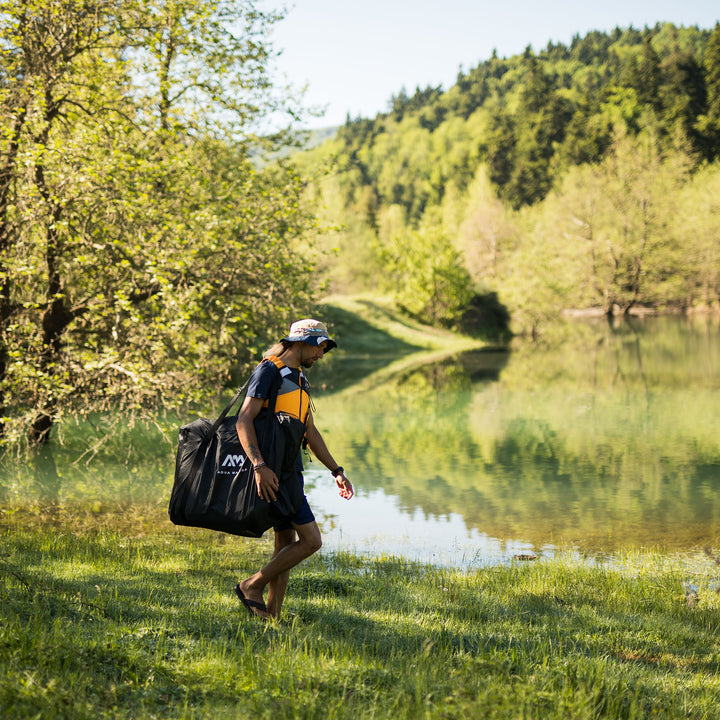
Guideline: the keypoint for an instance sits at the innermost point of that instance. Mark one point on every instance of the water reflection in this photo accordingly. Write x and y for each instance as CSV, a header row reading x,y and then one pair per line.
x,y
376,524
605,440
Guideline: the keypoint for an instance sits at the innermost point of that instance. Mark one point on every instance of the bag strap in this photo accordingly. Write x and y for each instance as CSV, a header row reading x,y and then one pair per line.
x,y
283,371
279,364
224,413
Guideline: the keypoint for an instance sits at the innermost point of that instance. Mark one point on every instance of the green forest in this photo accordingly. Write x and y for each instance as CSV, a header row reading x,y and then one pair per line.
x,y
580,177
155,237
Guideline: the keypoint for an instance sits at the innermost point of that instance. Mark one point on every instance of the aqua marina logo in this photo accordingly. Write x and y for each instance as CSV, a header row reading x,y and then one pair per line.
x,y
232,461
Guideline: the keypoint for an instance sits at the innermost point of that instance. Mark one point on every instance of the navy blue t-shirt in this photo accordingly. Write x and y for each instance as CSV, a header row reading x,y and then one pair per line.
x,y
292,396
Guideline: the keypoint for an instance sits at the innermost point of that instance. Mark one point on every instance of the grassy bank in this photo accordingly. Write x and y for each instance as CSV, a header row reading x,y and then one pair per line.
x,y
374,334
372,324
118,614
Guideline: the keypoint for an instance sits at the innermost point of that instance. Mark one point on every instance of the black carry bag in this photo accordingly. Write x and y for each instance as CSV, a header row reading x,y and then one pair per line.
x,y
214,483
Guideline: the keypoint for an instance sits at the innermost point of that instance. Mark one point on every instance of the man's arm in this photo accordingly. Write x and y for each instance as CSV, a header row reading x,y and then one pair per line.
x,y
265,479
321,452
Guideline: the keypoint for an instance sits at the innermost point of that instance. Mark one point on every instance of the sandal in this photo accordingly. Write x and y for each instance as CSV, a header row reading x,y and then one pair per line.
x,y
251,605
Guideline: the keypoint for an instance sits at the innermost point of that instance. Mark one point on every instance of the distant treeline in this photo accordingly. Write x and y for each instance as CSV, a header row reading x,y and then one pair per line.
x,y
457,179
543,112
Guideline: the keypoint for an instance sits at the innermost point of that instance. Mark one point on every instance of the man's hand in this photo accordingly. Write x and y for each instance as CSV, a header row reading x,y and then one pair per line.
x,y
267,484
344,486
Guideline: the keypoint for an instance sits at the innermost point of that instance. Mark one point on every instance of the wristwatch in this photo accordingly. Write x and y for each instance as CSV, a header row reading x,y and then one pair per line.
x,y
337,471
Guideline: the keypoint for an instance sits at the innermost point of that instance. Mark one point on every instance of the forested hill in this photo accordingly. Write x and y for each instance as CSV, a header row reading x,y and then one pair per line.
x,y
521,125
532,115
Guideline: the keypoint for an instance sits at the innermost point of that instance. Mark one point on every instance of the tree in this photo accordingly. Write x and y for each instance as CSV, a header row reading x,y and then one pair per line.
x,y
588,135
697,228
426,271
683,97
501,144
141,254
531,120
620,211
46,48
709,123
648,76
486,232
521,148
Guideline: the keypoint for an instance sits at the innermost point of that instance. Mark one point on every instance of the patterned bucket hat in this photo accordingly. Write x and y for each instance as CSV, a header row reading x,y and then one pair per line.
x,y
313,332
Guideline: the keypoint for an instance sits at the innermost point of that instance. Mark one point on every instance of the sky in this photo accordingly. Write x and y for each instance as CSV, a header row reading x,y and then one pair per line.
x,y
354,55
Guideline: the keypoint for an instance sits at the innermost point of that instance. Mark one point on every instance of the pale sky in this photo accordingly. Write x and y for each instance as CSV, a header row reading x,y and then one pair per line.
x,y
354,55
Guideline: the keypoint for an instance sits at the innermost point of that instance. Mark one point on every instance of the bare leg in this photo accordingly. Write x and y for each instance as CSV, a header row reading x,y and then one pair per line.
x,y
284,559
278,585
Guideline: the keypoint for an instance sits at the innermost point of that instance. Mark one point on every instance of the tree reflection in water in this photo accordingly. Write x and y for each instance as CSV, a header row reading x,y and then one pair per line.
x,y
604,441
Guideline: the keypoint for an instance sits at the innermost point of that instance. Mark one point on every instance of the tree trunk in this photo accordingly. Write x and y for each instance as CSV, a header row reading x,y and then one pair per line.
x,y
57,316
7,176
55,321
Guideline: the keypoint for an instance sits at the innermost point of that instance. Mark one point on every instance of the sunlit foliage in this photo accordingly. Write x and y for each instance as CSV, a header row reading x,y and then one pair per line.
x,y
142,254
563,178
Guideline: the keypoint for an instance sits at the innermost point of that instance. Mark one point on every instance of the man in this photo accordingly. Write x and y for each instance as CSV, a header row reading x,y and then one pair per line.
x,y
298,537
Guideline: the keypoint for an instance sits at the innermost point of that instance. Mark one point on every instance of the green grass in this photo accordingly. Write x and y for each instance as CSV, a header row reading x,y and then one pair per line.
x,y
381,342
118,614
368,325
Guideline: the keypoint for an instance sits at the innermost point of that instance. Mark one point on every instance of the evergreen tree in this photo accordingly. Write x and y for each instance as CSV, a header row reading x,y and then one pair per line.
x,y
648,75
709,124
683,97
501,145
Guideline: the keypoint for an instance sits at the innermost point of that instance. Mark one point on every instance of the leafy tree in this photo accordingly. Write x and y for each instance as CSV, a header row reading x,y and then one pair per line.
x,y
696,227
50,54
620,211
486,232
141,254
426,271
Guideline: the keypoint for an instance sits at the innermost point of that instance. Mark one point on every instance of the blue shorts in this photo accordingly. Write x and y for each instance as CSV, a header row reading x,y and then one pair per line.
x,y
303,515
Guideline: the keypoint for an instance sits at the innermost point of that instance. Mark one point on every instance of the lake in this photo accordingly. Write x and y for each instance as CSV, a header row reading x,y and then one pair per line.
x,y
605,439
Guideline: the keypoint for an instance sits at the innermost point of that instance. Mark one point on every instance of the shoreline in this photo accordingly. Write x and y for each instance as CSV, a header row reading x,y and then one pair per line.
x,y
598,312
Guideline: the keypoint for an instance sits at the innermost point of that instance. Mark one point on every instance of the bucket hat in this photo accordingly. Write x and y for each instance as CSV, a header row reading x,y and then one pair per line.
x,y
313,332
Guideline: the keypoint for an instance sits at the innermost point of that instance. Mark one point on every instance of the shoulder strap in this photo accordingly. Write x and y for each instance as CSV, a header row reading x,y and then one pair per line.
x,y
276,361
279,364
224,413
283,370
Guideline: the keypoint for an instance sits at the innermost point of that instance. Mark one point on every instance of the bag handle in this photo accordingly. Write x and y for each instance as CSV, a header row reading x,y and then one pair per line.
x,y
224,413
198,457
279,364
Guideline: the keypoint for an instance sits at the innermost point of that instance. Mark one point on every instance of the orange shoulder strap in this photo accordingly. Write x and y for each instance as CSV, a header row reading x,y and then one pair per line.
x,y
276,361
